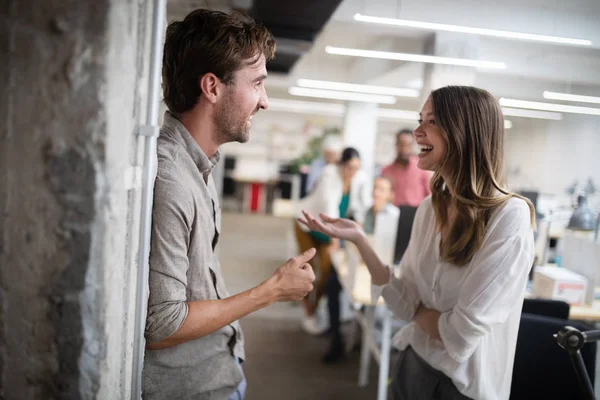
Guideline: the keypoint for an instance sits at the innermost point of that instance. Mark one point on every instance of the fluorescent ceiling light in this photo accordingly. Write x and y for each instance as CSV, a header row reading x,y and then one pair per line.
x,y
353,87
571,97
477,31
336,95
322,108
507,124
415,84
519,112
549,106
391,114
386,55
307,107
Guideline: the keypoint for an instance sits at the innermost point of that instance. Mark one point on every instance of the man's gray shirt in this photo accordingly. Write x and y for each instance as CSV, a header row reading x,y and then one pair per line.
x,y
184,266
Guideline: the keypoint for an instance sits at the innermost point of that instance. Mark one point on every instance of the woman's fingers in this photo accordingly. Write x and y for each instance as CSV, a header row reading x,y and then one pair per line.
x,y
309,219
322,227
316,225
303,222
327,218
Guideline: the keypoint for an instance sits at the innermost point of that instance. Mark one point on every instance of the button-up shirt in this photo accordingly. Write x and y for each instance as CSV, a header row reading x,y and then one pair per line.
x,y
480,303
184,266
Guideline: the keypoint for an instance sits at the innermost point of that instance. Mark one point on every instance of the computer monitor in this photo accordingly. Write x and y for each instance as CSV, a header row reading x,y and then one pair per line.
x,y
405,223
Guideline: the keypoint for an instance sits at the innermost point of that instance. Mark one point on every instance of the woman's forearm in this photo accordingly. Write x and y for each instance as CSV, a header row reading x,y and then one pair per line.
x,y
380,274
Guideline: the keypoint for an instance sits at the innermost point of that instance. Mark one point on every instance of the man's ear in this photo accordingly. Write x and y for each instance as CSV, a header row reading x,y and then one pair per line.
x,y
210,86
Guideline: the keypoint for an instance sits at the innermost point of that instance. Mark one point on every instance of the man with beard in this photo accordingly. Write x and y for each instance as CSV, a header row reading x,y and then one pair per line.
x,y
214,68
410,184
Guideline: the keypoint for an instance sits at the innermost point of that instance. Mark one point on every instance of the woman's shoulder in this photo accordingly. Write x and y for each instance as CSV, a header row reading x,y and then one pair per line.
x,y
426,207
513,217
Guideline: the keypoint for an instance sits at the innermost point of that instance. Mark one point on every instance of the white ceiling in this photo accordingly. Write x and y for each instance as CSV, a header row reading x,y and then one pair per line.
x,y
531,67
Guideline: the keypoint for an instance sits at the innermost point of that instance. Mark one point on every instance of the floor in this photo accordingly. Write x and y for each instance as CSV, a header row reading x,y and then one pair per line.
x,y
282,361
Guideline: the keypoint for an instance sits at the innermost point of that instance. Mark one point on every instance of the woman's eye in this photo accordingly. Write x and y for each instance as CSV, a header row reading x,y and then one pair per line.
x,y
432,121
420,121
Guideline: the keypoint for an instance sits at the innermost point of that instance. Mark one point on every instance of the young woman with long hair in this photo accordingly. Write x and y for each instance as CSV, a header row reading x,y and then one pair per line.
x,y
462,279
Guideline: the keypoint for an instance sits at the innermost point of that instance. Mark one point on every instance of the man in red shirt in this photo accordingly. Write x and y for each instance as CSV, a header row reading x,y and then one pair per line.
x,y
411,184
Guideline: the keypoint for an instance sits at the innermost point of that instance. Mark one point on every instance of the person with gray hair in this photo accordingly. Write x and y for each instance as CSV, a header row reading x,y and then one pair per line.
x,y
331,149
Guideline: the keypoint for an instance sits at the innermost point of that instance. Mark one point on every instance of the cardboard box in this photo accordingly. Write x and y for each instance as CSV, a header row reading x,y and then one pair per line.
x,y
559,284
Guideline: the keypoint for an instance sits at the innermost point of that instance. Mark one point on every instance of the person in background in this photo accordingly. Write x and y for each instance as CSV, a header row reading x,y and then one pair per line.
x,y
410,184
383,195
343,191
331,148
462,278
214,67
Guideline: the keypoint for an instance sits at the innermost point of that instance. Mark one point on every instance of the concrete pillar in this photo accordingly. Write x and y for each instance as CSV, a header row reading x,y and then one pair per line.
x,y
448,44
360,132
72,83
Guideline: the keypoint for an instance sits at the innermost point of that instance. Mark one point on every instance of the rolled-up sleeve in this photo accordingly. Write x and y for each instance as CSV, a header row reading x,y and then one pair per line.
x,y
490,293
171,226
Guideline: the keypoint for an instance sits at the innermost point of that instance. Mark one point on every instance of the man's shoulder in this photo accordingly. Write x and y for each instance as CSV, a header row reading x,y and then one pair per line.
x,y
171,176
173,163
387,169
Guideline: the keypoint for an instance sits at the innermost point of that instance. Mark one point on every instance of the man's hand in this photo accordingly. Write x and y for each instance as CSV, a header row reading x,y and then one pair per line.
x,y
294,279
427,319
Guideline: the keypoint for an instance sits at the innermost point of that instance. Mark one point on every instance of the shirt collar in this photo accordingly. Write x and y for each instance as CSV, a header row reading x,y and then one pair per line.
x,y
176,129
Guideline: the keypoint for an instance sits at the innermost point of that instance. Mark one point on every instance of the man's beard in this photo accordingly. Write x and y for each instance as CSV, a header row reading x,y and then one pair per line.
x,y
402,160
228,128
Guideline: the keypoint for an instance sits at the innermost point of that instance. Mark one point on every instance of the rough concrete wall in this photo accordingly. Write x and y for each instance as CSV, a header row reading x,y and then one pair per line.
x,y
67,116
127,67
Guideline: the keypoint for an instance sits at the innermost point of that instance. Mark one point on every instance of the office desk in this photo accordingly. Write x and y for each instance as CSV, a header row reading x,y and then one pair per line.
x,y
586,313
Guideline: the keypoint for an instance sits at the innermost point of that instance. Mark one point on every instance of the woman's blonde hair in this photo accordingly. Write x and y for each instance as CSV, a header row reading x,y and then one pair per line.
x,y
472,126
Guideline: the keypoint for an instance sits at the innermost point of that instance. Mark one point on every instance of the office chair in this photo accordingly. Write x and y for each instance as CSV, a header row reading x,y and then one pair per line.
x,y
542,369
547,308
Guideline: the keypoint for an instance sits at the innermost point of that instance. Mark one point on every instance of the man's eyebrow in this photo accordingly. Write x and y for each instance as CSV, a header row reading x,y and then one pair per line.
x,y
261,78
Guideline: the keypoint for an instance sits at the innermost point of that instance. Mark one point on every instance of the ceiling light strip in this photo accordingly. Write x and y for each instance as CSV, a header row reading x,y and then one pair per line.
x,y
477,31
535,105
414,57
520,112
337,95
353,87
571,97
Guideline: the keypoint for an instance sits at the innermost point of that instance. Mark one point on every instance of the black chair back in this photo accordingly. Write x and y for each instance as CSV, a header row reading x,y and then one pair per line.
x,y
542,369
547,308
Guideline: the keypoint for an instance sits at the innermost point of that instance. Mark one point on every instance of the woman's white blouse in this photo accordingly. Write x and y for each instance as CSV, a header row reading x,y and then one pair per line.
x,y
480,302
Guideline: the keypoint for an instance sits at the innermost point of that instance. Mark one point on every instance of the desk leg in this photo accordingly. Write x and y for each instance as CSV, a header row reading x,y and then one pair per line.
x,y
367,337
384,363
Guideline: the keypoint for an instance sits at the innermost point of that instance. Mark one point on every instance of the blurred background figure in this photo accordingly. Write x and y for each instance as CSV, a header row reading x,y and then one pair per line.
x,y
383,195
342,190
410,184
331,149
